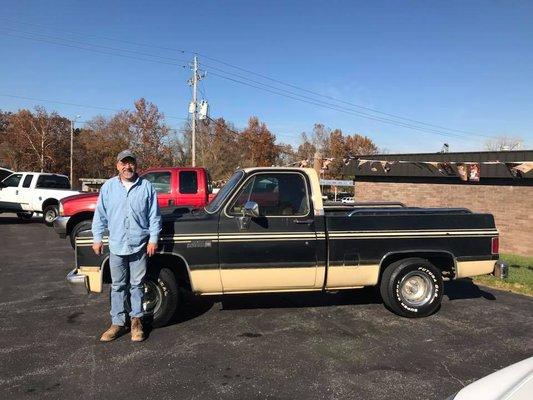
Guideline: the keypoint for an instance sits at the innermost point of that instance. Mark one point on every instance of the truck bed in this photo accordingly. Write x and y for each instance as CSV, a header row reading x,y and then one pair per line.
x,y
367,234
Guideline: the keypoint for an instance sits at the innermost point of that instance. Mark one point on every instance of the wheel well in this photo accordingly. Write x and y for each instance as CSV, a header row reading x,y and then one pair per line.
x,y
170,261
442,260
49,202
73,220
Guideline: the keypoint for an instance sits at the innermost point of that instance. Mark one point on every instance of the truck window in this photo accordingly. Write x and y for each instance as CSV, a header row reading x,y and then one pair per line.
x,y
52,182
27,181
13,180
277,194
224,192
159,180
209,183
188,182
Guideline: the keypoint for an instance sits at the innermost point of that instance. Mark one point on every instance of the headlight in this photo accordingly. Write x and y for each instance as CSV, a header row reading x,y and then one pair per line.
x,y
61,210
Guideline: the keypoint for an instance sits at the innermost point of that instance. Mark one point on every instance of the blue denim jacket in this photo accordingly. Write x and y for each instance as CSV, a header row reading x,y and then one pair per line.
x,y
132,217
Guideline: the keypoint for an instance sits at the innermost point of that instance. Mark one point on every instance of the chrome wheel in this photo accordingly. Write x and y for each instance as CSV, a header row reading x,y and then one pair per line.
x,y
153,296
50,215
416,289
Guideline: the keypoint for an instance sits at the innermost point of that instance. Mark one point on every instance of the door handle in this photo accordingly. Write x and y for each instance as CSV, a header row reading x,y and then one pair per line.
x,y
303,221
170,202
16,192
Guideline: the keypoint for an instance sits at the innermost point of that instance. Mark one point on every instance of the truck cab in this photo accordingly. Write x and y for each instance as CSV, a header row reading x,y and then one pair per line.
x,y
26,193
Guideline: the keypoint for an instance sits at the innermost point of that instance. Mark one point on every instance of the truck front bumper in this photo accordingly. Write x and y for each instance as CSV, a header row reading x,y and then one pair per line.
x,y
60,226
77,283
501,270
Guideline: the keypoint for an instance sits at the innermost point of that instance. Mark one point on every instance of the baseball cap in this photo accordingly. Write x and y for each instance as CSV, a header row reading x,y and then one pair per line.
x,y
126,153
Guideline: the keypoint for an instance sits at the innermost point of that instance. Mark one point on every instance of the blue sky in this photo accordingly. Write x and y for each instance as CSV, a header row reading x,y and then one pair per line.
x,y
466,66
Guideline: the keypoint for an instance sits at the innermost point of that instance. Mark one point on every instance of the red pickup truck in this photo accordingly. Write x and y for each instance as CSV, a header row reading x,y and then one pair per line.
x,y
175,187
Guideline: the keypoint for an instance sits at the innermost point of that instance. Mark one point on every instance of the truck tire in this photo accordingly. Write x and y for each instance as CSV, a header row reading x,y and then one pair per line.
x,y
24,216
50,213
84,225
161,296
412,288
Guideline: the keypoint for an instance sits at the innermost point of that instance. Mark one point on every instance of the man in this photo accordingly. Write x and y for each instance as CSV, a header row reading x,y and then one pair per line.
x,y
127,207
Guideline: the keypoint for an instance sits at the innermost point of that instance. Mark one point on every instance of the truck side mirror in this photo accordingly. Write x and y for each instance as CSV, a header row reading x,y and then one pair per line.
x,y
2,185
251,209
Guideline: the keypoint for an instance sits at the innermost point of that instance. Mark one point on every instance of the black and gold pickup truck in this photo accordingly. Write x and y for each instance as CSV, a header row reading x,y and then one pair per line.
x,y
267,230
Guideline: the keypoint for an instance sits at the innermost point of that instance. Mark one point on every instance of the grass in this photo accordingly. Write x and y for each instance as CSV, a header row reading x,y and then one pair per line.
x,y
520,278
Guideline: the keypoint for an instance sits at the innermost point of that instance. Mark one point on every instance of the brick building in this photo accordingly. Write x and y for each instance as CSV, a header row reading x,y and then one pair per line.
x,y
509,198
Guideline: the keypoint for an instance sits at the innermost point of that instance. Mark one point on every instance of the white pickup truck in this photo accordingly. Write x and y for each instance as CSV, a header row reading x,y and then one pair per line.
x,y
26,193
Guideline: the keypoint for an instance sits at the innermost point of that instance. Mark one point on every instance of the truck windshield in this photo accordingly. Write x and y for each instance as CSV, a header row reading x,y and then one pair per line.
x,y
223,193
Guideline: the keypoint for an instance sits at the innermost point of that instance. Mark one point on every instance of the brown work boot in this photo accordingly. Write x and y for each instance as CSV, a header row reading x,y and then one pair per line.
x,y
137,333
113,332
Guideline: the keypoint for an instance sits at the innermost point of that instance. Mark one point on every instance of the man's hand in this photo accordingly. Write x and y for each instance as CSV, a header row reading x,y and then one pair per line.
x,y
150,249
98,248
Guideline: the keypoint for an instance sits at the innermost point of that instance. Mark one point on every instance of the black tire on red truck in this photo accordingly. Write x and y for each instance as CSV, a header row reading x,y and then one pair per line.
x,y
83,225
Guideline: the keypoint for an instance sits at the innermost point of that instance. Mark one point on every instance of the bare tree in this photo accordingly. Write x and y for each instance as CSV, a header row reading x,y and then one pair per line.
x,y
504,143
149,134
335,146
36,141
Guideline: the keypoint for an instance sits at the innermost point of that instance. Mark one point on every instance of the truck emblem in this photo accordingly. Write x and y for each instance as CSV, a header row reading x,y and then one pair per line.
x,y
199,244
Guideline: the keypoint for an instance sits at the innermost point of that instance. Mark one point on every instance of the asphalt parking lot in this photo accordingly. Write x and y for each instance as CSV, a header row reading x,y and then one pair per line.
x,y
291,346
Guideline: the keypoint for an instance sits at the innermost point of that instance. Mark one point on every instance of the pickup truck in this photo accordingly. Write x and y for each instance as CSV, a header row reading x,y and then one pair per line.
x,y
268,231
175,187
26,193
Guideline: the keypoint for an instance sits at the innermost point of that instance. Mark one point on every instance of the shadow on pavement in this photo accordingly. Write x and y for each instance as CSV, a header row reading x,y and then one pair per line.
x,y
17,221
194,306
465,289
307,299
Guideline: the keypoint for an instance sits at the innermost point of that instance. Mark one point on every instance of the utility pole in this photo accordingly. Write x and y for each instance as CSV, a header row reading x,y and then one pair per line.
x,y
193,107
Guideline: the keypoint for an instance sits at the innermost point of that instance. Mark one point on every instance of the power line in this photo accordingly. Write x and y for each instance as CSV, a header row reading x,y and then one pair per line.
x,y
99,36
336,107
340,110
173,59
250,72
92,50
74,104
237,133
291,94
334,98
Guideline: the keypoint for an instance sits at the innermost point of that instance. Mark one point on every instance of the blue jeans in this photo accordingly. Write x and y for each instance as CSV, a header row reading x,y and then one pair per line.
x,y
127,273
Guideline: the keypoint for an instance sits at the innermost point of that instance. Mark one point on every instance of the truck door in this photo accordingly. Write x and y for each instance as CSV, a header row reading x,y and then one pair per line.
x,y
9,195
25,193
276,251
161,180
